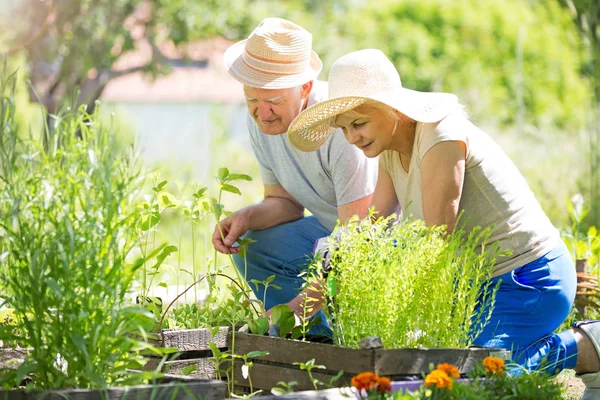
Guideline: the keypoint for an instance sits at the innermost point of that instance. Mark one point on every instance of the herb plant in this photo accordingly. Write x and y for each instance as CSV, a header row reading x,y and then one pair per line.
x,y
66,228
411,285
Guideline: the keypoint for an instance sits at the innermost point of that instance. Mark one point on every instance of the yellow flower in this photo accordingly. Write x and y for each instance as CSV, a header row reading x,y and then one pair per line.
x,y
494,365
449,369
438,378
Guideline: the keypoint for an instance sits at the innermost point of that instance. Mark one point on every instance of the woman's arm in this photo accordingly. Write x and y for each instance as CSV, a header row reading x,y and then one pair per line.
x,y
442,178
385,202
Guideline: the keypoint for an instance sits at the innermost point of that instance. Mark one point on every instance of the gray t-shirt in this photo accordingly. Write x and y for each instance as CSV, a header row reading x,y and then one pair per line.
x,y
336,174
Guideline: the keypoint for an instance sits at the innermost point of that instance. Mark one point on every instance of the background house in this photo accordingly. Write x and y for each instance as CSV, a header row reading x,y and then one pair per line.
x,y
177,117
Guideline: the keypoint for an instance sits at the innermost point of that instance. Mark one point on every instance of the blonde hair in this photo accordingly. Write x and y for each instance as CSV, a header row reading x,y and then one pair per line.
x,y
388,111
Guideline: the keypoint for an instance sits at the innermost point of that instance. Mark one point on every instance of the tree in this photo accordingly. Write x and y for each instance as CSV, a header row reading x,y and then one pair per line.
x,y
71,46
586,16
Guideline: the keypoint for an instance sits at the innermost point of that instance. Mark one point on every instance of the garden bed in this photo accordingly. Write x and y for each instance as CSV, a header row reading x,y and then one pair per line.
x,y
397,364
174,389
192,350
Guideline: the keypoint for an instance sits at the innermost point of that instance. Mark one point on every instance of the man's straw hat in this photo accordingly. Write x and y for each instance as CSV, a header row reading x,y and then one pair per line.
x,y
356,78
277,55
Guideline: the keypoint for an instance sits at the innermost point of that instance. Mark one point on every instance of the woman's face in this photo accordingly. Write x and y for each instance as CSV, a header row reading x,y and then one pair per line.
x,y
371,130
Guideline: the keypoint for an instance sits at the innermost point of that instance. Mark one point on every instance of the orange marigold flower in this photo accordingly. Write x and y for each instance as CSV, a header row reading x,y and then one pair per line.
x,y
493,365
384,385
439,379
449,369
365,380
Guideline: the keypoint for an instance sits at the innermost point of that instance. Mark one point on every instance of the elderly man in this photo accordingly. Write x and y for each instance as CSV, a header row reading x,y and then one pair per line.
x,y
278,68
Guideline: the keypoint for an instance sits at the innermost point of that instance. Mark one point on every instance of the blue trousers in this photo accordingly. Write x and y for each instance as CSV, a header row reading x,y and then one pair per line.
x,y
284,251
531,303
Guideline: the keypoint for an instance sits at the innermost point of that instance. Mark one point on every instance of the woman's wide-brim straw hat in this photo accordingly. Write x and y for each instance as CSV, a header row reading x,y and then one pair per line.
x,y
277,55
358,77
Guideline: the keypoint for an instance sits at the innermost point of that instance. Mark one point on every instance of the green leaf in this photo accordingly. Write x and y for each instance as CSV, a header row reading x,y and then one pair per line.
x,y
278,391
243,242
53,285
163,285
286,324
239,177
168,250
166,199
200,192
161,185
229,188
189,369
256,353
215,350
259,326
24,369
280,311
223,173
149,220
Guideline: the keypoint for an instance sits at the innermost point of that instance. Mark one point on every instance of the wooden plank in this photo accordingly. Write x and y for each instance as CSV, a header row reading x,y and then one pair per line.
x,y
397,362
266,376
190,390
288,351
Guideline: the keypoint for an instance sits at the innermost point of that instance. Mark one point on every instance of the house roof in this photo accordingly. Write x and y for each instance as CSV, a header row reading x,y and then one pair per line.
x,y
199,75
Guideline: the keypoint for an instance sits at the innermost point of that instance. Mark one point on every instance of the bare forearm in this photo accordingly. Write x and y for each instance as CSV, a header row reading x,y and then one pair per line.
x,y
310,300
272,211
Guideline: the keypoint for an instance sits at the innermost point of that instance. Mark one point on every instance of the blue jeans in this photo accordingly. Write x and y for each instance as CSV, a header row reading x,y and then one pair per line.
x,y
531,303
284,251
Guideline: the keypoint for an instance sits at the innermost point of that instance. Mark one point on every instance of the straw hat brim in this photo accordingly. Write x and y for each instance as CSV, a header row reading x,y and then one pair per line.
x,y
263,80
309,130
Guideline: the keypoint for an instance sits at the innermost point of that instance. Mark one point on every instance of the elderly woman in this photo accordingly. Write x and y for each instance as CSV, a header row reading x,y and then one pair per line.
x,y
435,164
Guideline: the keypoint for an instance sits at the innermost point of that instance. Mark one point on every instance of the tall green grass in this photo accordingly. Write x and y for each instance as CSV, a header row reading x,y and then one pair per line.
x,y
67,222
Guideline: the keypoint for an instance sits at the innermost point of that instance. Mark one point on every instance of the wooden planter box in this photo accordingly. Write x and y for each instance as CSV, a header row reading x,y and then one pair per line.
x,y
193,349
191,389
397,364
12,358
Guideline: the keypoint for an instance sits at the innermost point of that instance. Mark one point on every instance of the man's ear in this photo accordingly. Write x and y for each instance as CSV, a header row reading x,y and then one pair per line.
x,y
306,89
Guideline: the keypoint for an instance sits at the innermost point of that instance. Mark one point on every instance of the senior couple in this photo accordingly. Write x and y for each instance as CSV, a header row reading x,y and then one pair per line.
x,y
362,140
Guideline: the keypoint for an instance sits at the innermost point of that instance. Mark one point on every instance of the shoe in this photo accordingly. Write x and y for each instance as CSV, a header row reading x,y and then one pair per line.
x,y
591,380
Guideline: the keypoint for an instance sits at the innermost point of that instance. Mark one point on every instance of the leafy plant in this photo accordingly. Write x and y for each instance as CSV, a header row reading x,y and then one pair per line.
x,y
309,366
583,244
411,285
284,388
66,229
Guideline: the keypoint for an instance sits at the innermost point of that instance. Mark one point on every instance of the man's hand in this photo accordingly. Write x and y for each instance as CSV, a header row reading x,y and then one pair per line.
x,y
232,227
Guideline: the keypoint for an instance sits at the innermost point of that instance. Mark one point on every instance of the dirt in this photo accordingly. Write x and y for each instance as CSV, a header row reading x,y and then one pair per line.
x,y
573,386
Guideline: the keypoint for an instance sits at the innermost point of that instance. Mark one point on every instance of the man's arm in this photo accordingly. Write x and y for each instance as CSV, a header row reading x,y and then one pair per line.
x,y
359,207
277,208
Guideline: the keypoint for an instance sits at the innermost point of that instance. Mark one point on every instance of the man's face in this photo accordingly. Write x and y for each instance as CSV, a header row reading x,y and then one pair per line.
x,y
275,109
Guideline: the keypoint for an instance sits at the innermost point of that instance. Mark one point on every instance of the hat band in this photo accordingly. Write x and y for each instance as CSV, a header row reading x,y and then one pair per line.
x,y
275,66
